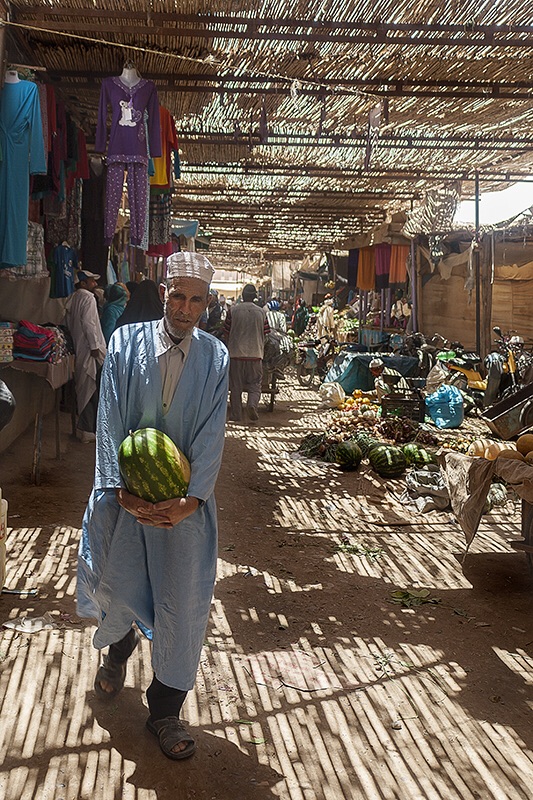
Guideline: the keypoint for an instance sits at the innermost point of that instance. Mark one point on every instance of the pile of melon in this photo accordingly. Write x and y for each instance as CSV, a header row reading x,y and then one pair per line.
x,y
521,450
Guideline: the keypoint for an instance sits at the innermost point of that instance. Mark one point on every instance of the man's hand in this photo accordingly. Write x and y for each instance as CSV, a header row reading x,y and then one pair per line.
x,y
158,515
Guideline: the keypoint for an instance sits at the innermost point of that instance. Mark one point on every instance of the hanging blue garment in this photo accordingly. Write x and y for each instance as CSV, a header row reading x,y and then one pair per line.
x,y
22,147
65,260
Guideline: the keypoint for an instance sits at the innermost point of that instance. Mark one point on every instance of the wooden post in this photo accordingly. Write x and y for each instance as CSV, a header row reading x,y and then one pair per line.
x,y
477,269
419,298
414,290
486,296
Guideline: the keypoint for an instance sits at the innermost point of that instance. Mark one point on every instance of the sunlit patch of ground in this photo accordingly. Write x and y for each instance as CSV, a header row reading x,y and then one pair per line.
x,y
313,683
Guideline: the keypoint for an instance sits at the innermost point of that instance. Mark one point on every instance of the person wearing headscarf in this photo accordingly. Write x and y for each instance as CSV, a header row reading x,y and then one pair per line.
x,y
143,306
149,564
117,297
276,318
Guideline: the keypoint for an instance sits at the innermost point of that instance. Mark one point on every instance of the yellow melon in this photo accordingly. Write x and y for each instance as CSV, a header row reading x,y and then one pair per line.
x,y
514,454
478,447
524,444
494,450
529,458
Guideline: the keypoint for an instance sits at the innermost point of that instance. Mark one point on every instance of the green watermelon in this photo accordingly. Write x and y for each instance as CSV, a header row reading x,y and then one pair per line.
x,y
411,452
417,456
365,442
388,461
348,455
152,467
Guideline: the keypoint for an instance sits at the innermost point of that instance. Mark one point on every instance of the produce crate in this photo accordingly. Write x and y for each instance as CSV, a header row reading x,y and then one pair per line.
x,y
398,406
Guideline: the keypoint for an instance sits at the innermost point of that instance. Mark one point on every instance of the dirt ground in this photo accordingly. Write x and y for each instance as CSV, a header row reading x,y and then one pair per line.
x,y
313,684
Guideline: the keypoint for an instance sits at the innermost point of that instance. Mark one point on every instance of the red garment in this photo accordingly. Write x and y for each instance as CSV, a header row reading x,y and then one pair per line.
x,y
169,142
82,167
160,250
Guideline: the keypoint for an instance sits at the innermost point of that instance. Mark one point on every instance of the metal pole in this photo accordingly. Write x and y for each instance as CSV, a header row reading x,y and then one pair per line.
x,y
477,267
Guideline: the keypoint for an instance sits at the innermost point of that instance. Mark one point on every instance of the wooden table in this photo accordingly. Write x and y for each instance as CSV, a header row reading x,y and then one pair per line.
x,y
56,376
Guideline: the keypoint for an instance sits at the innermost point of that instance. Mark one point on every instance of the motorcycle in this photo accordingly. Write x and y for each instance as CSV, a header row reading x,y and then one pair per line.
x,y
508,367
465,371
314,358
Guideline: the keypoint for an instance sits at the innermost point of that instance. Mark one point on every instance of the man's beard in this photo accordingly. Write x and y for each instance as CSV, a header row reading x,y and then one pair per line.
x,y
176,333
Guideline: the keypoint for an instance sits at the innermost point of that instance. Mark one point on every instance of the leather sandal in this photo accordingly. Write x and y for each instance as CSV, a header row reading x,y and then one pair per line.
x,y
113,672
171,731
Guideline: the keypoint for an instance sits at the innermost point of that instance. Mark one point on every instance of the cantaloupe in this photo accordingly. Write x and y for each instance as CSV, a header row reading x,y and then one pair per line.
x,y
524,444
511,454
478,447
494,450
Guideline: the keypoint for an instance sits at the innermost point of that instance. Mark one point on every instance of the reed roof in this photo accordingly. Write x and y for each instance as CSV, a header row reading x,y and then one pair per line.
x,y
272,101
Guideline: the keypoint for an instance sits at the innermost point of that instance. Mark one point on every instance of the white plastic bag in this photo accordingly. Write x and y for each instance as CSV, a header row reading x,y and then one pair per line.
x,y
332,394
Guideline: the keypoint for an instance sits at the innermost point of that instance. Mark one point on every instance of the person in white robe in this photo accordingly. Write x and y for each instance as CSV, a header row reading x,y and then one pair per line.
x,y
153,565
83,322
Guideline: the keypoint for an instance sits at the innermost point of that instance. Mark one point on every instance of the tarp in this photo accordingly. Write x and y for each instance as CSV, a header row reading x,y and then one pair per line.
x,y
351,369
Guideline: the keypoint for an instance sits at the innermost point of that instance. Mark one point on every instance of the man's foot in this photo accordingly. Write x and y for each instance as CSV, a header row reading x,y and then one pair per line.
x,y
252,413
174,739
111,674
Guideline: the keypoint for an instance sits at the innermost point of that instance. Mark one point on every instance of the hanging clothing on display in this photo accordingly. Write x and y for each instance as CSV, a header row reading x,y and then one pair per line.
x,y
383,253
22,148
367,269
65,262
398,263
93,250
353,265
129,148
162,176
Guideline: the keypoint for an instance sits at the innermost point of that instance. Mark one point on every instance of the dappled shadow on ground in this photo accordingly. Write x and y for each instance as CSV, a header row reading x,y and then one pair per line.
x,y
313,683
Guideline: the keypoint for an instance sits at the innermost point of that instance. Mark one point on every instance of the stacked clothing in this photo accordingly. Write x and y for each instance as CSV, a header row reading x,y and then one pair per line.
x,y
7,330
33,342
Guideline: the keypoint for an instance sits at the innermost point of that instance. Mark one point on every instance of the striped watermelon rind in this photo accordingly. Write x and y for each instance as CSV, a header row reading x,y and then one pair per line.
x,y
387,460
152,466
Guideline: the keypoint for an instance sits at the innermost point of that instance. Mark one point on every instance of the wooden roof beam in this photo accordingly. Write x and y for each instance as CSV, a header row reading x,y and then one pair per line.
x,y
220,26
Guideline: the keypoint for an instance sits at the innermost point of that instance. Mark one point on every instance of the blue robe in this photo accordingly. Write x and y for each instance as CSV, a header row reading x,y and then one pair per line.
x,y
21,153
127,572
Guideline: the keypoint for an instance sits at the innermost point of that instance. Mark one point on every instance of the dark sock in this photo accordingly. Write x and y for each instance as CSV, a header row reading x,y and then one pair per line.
x,y
119,652
164,701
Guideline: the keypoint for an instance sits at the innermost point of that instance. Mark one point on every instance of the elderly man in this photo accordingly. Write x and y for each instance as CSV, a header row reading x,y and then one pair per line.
x,y
386,379
154,564
84,325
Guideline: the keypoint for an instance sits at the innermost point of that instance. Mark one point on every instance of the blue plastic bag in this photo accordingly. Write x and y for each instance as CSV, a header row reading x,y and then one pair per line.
x,y
445,406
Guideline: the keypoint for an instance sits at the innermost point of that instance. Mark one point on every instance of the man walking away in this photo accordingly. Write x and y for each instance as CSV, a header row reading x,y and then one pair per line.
x,y
245,329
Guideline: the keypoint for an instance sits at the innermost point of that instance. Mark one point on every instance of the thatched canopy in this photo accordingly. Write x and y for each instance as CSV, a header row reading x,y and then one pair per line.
x,y
272,103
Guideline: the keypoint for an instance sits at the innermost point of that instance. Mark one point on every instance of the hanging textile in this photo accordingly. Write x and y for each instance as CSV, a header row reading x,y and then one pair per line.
x,y
367,269
135,136
383,254
398,263
22,148
353,264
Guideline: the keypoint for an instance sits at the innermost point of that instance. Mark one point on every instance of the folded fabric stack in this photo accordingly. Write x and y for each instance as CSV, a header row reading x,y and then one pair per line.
x,y
33,342
61,348
7,330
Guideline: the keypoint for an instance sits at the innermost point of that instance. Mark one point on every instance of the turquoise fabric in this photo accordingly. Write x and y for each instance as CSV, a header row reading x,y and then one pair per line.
x,y
22,147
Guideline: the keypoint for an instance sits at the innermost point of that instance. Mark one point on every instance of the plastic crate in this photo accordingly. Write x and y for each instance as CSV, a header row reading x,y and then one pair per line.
x,y
398,406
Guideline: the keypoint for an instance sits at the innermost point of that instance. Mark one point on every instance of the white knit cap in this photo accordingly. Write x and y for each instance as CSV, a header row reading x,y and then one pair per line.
x,y
190,265
376,363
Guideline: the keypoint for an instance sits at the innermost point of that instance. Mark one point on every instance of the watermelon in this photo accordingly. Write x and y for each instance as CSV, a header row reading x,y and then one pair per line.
x,y
152,467
411,452
365,442
417,456
348,455
388,461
